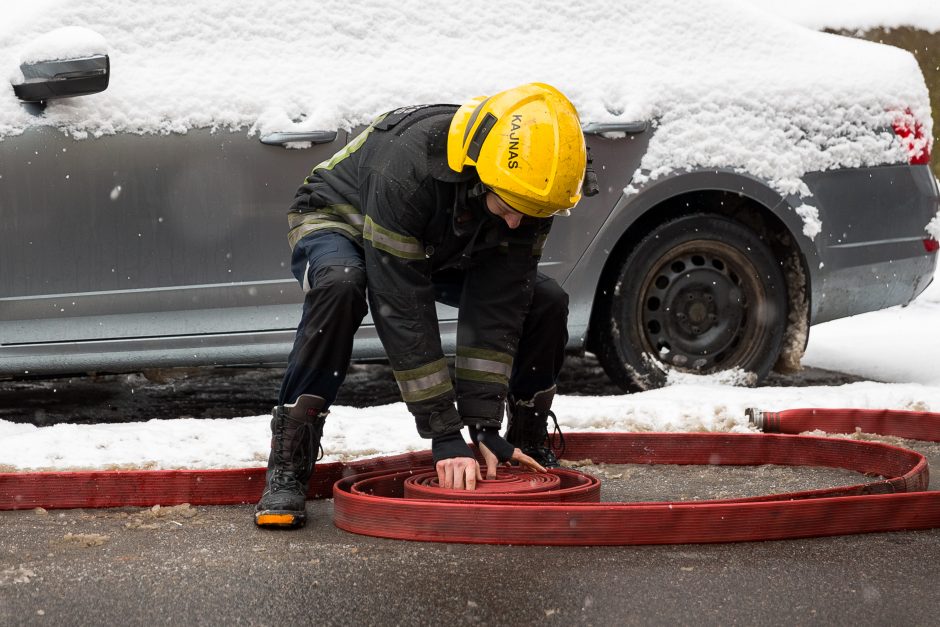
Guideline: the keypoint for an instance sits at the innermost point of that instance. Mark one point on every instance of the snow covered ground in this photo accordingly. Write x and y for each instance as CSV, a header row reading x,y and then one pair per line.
x,y
896,348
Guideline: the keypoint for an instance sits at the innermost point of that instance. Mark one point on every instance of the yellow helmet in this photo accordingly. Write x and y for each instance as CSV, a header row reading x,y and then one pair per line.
x,y
527,146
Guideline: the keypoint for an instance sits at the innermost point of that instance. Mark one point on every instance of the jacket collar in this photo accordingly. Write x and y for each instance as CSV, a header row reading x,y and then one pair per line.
x,y
437,157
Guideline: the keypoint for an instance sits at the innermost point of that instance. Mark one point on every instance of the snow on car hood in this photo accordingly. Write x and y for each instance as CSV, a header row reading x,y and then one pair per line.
x,y
727,85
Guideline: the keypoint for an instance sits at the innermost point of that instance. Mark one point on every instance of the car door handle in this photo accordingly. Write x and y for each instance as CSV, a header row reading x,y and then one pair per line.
x,y
314,137
630,128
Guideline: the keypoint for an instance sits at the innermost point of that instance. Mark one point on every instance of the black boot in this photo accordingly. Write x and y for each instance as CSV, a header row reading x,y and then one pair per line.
x,y
528,427
295,439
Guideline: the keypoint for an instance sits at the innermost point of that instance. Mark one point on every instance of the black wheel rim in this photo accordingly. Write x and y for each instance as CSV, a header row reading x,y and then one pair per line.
x,y
698,307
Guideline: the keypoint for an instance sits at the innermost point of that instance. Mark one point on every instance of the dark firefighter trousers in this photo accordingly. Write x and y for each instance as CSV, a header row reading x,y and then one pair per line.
x,y
332,270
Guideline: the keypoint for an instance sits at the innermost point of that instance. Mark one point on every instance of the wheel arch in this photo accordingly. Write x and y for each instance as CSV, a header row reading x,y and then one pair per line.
x,y
745,199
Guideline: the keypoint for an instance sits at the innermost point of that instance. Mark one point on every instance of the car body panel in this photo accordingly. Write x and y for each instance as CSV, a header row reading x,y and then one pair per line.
x,y
190,266
97,244
873,231
122,238
838,269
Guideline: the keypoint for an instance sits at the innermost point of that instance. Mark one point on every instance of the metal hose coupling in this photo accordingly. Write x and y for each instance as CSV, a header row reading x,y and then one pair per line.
x,y
756,417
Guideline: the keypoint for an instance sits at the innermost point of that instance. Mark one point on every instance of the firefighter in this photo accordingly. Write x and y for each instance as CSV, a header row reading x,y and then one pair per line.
x,y
434,203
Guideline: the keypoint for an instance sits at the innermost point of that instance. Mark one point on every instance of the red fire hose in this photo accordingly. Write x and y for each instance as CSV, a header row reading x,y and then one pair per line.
x,y
397,497
903,424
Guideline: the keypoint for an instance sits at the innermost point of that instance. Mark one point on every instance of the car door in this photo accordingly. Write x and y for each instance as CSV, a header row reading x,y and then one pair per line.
x,y
125,236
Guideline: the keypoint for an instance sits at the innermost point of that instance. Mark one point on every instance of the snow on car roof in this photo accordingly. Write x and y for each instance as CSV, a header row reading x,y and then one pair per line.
x,y
728,85
857,14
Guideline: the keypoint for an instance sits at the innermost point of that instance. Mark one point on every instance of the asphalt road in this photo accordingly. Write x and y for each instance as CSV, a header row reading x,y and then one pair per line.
x,y
210,565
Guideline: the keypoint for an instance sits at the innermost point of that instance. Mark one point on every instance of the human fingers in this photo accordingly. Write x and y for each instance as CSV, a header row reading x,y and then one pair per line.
x,y
525,460
439,467
491,461
459,473
445,473
471,472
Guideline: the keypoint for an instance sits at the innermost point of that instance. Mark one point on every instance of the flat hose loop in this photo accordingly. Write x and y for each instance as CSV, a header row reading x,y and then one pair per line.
x,y
370,495
373,506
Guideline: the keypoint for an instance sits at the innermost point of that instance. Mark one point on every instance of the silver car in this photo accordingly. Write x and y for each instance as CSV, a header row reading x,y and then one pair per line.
x,y
125,252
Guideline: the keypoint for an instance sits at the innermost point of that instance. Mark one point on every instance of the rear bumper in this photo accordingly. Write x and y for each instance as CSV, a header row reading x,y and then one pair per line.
x,y
871,252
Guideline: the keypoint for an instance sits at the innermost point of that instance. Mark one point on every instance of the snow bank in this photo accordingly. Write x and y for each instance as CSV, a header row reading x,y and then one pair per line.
x,y
359,433
896,345
857,14
729,85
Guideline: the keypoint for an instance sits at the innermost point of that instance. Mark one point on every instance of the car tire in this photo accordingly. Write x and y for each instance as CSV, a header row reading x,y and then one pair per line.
x,y
700,294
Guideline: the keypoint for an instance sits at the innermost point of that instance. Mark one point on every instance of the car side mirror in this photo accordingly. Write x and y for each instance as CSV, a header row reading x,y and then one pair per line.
x,y
63,78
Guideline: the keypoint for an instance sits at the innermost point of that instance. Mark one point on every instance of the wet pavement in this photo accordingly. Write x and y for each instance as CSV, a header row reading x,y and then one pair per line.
x,y
211,565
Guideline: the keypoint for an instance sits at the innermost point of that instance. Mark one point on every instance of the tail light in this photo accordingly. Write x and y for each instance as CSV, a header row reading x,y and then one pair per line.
x,y
911,133
931,245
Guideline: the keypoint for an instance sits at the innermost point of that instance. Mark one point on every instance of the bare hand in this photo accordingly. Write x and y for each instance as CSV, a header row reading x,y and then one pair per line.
x,y
525,460
491,460
517,456
458,473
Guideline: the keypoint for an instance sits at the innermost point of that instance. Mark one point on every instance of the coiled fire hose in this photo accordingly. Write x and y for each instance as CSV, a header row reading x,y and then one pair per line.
x,y
397,497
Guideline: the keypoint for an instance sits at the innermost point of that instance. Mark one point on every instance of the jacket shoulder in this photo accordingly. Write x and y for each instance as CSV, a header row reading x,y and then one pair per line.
x,y
421,131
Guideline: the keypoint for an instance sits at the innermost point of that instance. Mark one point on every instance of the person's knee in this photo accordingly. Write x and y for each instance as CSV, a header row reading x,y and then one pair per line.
x,y
342,282
338,277
550,299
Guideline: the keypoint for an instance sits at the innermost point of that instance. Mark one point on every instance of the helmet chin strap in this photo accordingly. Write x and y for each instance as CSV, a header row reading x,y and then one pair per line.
x,y
468,204
477,191
589,187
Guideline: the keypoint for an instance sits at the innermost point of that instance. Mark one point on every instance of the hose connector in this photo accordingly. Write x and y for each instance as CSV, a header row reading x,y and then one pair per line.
x,y
756,418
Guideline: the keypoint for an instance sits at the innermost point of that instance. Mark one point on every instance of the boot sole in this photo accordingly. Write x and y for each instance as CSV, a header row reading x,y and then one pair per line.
x,y
274,518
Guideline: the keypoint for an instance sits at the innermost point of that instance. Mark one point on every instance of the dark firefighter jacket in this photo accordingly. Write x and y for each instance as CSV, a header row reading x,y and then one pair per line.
x,y
391,191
